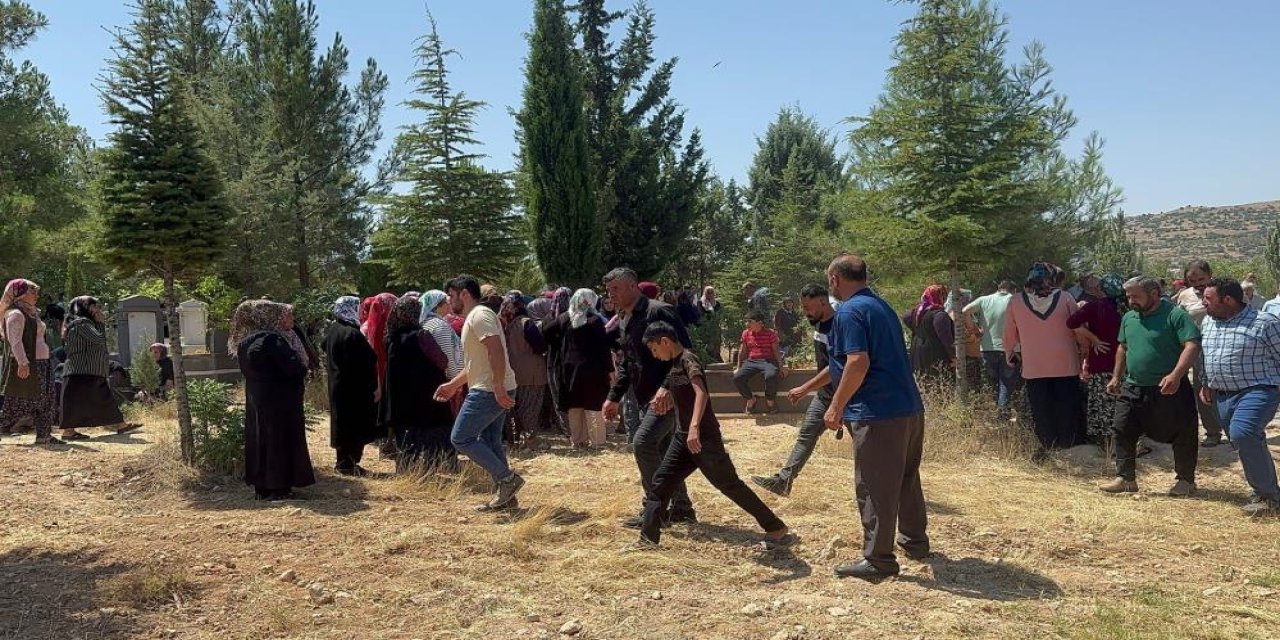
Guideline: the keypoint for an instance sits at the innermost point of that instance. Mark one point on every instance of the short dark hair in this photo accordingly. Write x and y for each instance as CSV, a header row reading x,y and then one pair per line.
x,y
1198,265
849,267
811,291
754,315
464,283
1007,286
1227,288
621,273
659,330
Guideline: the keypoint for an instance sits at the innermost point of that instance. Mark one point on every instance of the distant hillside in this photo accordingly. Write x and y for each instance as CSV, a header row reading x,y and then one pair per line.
x,y
1236,233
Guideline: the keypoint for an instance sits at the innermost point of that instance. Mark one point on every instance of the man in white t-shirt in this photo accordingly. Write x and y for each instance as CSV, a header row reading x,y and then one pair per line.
x,y
477,431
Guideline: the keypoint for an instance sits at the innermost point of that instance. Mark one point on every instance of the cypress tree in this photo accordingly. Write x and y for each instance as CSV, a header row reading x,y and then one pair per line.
x,y
162,198
457,216
567,229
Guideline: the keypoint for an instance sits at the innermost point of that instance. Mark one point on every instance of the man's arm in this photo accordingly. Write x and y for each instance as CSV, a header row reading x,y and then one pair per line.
x,y
820,379
1190,351
497,364
856,366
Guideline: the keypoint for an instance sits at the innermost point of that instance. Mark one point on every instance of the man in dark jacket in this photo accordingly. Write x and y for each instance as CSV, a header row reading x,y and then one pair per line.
x,y
644,375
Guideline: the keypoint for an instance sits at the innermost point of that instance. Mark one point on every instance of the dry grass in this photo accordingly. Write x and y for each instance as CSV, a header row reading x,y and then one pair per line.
x,y
1024,551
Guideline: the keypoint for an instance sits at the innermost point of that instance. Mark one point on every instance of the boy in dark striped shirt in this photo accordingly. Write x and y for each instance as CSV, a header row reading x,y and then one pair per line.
x,y
697,445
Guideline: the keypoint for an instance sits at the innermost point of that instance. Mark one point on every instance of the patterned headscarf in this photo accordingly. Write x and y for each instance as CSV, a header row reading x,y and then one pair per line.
x,y
82,307
582,306
161,347
379,314
10,299
1112,286
405,314
364,310
1041,278
933,297
561,299
412,294
347,309
513,307
541,309
431,300
254,316
650,290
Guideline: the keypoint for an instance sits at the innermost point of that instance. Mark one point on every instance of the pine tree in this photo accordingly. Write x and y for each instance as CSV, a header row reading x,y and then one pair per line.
x,y
959,138
647,181
795,161
557,188
1272,255
457,216
162,197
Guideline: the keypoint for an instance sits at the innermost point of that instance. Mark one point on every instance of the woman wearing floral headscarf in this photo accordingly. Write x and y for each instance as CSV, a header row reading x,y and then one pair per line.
x,y
273,362
352,369
585,366
435,305
87,400
415,368
1097,325
527,351
26,381
932,334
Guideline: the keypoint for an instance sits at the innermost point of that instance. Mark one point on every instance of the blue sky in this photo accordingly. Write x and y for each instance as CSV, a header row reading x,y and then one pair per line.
x,y
1185,92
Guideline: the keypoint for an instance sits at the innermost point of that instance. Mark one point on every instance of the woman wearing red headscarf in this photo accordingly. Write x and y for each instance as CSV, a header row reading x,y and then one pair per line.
x,y
376,331
932,334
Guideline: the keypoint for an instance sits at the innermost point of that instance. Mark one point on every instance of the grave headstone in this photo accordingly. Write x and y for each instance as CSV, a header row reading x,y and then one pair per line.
x,y
193,319
139,324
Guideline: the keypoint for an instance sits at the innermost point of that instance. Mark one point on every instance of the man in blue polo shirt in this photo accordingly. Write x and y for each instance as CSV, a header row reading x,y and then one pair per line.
x,y
876,396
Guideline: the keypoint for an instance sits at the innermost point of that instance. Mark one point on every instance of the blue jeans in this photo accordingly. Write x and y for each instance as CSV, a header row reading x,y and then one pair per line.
x,y
477,432
1002,376
1245,414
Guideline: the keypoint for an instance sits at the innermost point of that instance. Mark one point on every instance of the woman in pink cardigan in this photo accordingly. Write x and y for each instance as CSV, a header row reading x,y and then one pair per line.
x,y
1037,322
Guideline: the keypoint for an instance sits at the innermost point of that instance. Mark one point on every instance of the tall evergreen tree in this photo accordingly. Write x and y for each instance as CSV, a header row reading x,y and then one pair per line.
x,y
795,161
647,181
961,140
557,188
1272,255
457,216
162,197
715,237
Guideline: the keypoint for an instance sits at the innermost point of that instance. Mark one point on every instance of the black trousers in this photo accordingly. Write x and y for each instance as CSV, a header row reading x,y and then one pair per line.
x,y
1169,419
886,476
713,461
1057,409
349,457
651,443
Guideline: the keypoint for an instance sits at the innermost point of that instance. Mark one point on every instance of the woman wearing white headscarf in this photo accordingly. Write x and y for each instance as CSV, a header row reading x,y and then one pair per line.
x,y
434,308
578,336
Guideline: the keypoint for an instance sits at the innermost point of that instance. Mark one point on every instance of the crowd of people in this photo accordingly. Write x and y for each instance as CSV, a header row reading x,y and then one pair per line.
x,y
469,370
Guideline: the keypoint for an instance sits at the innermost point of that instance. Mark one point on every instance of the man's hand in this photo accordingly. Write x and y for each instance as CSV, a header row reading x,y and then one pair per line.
x,y
24,371
694,443
661,403
832,418
1113,387
1101,348
1015,360
1169,385
377,395
504,400
444,392
610,410
1206,395
796,394
784,372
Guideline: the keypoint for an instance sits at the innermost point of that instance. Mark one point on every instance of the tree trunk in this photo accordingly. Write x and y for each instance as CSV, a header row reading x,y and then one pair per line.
x,y
186,436
961,334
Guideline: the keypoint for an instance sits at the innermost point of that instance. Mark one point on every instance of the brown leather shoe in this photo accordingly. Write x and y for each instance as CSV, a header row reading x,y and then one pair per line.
x,y
1120,485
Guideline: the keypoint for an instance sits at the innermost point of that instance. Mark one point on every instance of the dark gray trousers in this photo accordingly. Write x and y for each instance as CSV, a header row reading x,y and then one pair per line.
x,y
811,430
887,478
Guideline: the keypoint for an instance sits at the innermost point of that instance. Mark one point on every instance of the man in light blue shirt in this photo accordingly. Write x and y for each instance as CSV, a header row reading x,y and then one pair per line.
x,y
1242,371
988,312
1272,306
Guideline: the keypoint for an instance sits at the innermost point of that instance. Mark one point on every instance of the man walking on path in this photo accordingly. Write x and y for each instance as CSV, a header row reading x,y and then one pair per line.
x,y
645,375
877,399
1242,372
1158,345
990,310
817,308
477,431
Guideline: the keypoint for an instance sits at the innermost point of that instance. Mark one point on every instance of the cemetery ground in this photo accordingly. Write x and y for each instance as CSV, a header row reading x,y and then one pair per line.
x,y
113,539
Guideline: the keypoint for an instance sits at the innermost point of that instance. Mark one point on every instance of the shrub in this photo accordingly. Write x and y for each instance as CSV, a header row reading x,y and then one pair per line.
x,y
143,370
218,425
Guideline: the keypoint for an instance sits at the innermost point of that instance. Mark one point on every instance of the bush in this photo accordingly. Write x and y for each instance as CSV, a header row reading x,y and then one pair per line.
x,y
218,426
143,370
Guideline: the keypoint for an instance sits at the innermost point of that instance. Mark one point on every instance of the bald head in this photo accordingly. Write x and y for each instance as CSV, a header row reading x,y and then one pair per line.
x,y
846,275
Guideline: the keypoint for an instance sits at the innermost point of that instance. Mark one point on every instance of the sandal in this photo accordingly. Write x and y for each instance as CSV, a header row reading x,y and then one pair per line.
x,y
781,543
48,442
77,436
129,426
750,406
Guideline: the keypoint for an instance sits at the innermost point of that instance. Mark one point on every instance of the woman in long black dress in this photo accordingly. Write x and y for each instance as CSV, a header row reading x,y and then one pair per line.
x,y
26,371
584,364
352,369
415,368
273,362
87,399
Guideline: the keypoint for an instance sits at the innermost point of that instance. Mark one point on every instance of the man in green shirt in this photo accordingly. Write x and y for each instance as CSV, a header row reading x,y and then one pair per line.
x,y
989,311
1158,344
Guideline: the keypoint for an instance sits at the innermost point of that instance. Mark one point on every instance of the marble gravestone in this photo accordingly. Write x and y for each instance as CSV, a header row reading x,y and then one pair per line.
x,y
193,320
139,324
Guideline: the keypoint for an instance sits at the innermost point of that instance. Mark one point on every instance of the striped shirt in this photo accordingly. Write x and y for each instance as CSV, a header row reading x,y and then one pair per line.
x,y
86,346
760,345
1242,352
448,341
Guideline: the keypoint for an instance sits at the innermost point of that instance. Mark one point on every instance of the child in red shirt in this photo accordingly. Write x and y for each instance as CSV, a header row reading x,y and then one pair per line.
x,y
759,354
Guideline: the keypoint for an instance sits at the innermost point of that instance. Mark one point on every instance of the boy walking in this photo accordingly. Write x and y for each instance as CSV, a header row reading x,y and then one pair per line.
x,y
697,445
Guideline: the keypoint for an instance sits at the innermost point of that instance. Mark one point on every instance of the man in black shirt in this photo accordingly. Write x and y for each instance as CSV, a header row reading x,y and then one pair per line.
x,y
697,445
645,376
817,308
